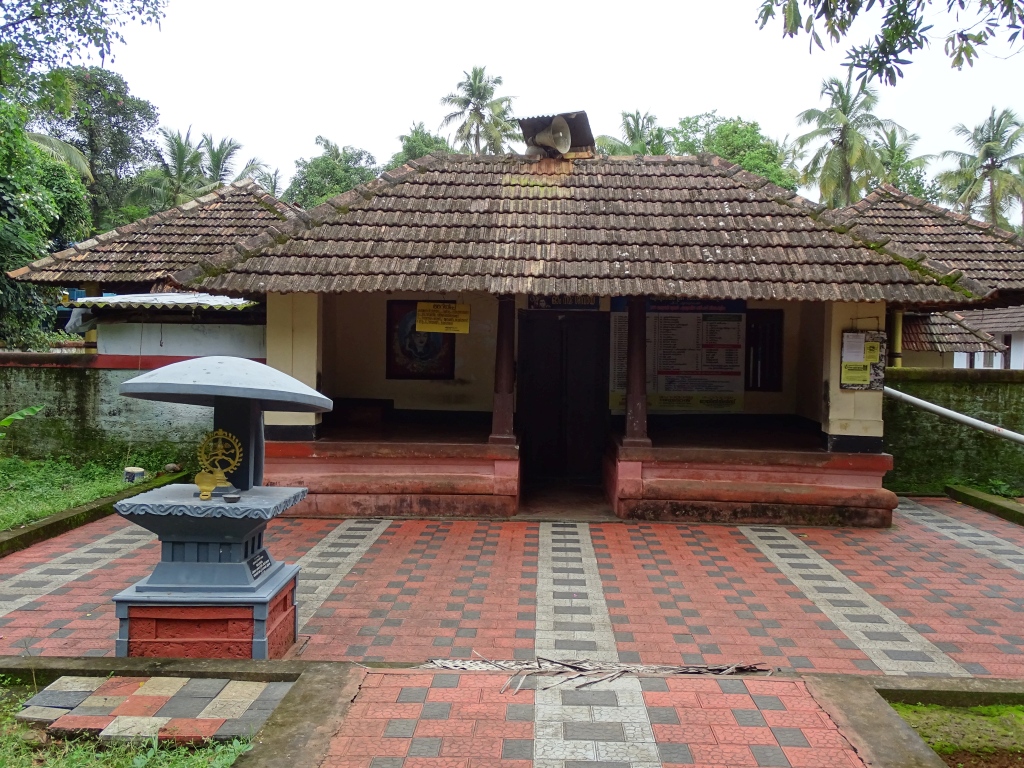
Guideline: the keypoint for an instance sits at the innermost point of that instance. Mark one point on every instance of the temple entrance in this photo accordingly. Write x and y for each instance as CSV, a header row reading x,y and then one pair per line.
x,y
562,396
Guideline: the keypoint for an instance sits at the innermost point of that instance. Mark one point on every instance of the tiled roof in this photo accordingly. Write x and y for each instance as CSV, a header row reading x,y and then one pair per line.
x,y
945,332
147,251
1006,320
667,226
989,255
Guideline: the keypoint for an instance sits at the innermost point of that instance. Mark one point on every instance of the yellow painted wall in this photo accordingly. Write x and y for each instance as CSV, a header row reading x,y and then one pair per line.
x,y
294,345
850,412
354,359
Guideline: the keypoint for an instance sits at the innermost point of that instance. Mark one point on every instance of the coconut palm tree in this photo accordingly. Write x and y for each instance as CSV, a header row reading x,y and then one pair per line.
x,y
895,148
269,180
219,156
846,161
641,135
178,176
989,177
61,150
486,119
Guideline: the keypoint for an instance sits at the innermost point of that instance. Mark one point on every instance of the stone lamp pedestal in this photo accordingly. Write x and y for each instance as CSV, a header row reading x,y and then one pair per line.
x,y
217,593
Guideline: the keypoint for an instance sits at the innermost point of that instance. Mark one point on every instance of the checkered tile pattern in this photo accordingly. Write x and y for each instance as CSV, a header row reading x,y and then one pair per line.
x,y
406,591
416,720
179,709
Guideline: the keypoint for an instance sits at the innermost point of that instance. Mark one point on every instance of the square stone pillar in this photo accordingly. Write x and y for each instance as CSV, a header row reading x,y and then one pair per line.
x,y
295,347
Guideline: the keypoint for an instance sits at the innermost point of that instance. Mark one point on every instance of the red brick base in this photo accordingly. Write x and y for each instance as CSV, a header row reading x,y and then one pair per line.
x,y
210,631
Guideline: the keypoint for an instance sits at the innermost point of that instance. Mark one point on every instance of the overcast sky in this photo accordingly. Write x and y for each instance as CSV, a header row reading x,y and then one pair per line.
x,y
275,75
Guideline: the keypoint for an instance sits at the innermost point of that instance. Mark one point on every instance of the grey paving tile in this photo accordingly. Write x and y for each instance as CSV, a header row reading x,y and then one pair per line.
x,y
590,698
790,737
675,753
523,712
412,695
769,756
436,710
662,715
184,706
425,747
749,718
58,699
593,732
732,686
654,684
400,728
768,702
201,688
445,681
516,749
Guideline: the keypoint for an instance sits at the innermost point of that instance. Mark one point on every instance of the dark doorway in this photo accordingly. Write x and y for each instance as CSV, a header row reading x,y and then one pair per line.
x,y
562,394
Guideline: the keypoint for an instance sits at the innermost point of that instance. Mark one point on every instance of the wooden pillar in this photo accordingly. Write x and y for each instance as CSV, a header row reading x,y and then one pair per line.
x,y
504,373
636,374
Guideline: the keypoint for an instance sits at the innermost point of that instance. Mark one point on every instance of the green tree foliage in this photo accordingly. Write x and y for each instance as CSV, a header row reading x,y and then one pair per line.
x,y
337,170
178,176
486,123
989,178
738,141
846,160
903,29
111,127
219,157
73,221
38,37
417,143
27,213
641,135
895,148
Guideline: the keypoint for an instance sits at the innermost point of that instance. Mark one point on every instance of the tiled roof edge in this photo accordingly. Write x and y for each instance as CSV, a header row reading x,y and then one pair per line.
x,y
914,261
981,335
235,187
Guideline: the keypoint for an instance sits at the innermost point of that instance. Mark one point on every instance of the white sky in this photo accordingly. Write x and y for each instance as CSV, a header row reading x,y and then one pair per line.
x,y
275,75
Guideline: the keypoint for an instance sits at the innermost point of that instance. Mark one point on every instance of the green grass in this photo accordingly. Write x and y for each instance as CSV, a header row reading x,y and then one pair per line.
x,y
31,490
20,748
978,730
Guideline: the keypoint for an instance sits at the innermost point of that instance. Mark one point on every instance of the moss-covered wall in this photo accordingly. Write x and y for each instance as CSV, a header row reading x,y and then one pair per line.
x,y
85,419
928,450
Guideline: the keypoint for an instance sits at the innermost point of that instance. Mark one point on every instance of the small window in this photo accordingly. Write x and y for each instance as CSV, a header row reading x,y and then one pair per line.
x,y
1008,343
764,350
990,360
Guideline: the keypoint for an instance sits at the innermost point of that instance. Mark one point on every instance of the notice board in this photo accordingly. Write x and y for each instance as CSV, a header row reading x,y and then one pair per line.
x,y
694,356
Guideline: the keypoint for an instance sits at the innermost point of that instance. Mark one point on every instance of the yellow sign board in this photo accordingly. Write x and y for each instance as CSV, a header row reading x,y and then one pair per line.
x,y
441,317
856,373
871,351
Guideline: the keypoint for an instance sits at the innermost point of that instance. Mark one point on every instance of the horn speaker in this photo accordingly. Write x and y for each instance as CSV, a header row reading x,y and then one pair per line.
x,y
555,136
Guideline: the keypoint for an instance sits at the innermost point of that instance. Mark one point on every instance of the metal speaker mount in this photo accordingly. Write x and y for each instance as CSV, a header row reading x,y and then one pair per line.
x,y
556,136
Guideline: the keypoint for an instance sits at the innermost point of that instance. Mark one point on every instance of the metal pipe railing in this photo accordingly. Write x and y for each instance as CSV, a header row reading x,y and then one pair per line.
x,y
938,410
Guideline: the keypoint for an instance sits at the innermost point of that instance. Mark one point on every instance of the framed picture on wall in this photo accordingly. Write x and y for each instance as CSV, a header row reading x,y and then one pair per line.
x,y
413,354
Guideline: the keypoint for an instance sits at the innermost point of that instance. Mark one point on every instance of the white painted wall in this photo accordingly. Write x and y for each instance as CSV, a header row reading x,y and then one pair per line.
x,y
182,340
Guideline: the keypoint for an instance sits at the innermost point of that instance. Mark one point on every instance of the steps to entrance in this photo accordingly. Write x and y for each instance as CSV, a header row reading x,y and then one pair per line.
x,y
348,479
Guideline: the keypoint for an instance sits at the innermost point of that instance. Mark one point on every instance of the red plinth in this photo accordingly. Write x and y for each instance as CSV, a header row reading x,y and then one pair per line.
x,y
211,631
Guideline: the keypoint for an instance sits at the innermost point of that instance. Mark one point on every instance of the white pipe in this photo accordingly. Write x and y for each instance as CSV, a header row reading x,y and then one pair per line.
x,y
924,405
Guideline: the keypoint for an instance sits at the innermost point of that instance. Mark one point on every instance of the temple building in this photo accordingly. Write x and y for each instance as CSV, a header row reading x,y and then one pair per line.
x,y
674,334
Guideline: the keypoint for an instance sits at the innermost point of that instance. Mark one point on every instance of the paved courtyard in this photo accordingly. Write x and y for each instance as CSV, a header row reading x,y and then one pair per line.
x,y
940,593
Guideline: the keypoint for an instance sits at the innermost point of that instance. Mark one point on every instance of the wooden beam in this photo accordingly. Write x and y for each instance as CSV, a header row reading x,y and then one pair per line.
x,y
636,374
503,413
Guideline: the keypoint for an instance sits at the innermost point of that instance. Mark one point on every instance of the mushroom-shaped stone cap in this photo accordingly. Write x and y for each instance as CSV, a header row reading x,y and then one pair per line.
x,y
199,381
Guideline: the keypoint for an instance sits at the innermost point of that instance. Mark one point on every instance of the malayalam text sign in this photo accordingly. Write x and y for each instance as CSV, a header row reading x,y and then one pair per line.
x,y
442,317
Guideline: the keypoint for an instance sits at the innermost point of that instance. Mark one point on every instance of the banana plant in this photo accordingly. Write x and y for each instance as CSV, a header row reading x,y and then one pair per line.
x,y
24,413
